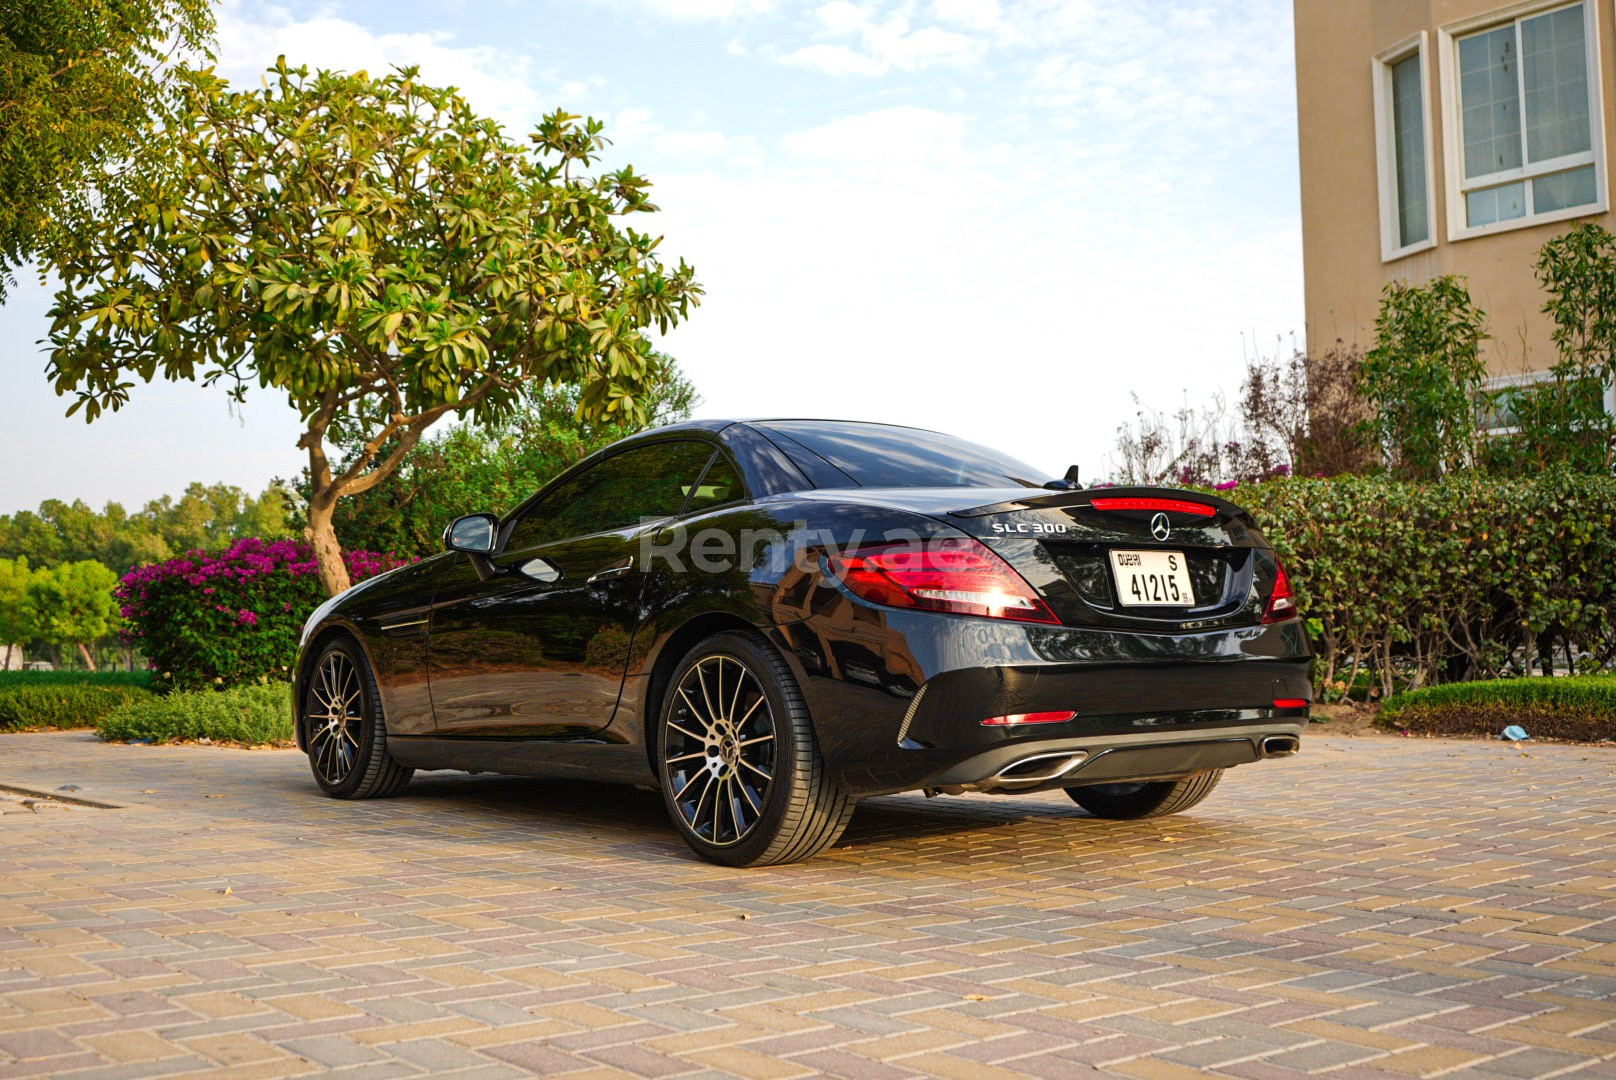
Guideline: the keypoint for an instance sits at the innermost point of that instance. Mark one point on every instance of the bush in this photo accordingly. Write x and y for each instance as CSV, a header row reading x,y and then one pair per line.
x,y
1465,578
1578,708
1423,375
251,715
32,700
232,618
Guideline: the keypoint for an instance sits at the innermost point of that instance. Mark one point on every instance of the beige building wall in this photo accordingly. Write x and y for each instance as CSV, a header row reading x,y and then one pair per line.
x,y
1336,41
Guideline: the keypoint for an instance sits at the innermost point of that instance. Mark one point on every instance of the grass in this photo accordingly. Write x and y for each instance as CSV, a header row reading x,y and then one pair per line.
x,y
259,715
1580,708
37,700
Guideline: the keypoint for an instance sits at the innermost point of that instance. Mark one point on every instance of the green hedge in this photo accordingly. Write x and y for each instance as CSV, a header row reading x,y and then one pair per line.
x,y
1426,583
254,715
26,706
9,679
1582,708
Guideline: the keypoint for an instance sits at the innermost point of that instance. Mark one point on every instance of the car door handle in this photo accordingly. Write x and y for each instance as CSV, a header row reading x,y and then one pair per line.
x,y
613,571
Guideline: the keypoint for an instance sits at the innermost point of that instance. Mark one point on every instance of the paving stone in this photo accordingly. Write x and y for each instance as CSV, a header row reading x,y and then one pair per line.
x,y
1357,911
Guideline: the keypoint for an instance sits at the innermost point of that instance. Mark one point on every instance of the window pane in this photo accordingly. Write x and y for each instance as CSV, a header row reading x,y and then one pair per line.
x,y
1554,59
1489,97
721,485
1562,190
875,455
646,482
1496,204
1408,136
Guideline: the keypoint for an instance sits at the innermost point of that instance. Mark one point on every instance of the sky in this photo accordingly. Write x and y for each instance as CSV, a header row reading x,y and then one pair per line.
x,y
997,218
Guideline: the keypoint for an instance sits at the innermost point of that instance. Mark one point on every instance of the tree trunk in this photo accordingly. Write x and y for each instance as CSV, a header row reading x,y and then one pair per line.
x,y
322,536
89,661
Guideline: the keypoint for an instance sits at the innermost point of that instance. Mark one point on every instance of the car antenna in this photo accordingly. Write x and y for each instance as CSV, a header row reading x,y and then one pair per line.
x,y
1070,483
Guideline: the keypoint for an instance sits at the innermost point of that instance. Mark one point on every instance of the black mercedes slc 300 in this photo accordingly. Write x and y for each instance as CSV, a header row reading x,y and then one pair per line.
x,y
768,620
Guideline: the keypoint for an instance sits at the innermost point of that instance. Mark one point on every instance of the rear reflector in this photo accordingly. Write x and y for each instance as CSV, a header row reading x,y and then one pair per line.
x,y
1015,719
1290,703
1172,506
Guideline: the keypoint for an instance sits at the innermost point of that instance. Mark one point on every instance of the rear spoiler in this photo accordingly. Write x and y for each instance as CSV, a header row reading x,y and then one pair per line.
x,y
1062,500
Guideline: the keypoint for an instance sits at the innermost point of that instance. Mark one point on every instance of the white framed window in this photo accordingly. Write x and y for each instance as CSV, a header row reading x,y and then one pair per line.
x,y
1502,395
1403,143
1524,137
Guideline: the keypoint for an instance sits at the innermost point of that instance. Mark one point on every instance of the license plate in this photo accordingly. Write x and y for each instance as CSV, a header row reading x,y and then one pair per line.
x,y
1152,579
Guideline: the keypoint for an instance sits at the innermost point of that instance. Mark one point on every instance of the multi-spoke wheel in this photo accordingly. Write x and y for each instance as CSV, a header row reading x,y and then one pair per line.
x,y
343,727
740,770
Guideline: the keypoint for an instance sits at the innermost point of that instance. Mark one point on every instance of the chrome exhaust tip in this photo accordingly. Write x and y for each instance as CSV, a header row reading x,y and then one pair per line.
x,y
1280,746
1039,768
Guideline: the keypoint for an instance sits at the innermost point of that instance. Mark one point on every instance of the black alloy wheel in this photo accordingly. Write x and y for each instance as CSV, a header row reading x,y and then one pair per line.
x,y
1127,802
344,730
740,770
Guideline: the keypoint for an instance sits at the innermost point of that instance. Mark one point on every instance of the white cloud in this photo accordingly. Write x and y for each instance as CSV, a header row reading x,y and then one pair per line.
x,y
636,135
842,17
701,10
971,14
833,60
882,46
901,136
498,83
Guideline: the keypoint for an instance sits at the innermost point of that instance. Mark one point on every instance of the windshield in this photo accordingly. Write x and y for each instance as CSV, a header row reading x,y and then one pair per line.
x,y
875,455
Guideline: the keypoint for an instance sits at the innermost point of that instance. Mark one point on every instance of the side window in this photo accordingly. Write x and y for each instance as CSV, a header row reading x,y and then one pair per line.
x,y
645,482
722,484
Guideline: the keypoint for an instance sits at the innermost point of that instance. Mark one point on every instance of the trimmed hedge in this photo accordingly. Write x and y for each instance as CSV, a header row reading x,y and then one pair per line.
x,y
9,679
1466,578
1580,708
251,715
26,705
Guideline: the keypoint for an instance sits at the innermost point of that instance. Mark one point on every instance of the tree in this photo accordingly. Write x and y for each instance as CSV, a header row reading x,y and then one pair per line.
x,y
78,81
472,468
377,252
73,605
205,517
1302,414
16,609
1423,376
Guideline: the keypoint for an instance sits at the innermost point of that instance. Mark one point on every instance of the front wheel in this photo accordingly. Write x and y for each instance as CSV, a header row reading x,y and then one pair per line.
x,y
1126,802
344,729
740,769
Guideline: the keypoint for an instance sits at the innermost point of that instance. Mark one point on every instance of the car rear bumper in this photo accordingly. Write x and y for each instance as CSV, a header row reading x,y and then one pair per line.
x,y
899,703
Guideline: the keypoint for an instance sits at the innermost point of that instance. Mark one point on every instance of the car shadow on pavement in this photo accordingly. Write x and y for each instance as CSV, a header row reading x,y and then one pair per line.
x,y
632,823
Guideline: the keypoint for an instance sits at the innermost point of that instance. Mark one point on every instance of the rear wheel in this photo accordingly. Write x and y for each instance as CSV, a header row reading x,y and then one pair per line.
x,y
1125,802
344,729
740,769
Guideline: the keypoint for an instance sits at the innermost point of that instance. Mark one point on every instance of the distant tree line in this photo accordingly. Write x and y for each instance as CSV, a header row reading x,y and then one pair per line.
x,y
207,517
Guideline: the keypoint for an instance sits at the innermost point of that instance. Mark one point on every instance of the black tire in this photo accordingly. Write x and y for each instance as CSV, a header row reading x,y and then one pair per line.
x,y
344,729
722,749
1127,802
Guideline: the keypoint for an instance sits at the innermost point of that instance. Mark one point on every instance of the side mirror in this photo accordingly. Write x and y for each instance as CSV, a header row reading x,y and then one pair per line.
x,y
473,534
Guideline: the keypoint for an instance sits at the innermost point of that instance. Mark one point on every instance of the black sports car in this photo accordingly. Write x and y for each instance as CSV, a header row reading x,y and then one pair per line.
x,y
768,620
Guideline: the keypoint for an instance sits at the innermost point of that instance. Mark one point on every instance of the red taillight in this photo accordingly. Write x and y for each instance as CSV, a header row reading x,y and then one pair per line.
x,y
1290,703
1016,719
957,575
1172,506
1281,605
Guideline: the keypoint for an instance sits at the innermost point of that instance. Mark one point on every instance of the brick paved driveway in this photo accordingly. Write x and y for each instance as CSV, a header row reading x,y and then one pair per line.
x,y
1373,907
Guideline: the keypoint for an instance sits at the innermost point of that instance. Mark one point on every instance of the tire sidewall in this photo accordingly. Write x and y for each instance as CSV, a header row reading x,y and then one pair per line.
x,y
788,729
370,720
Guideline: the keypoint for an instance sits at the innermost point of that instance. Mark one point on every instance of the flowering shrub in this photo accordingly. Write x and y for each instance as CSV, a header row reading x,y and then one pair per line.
x,y
221,620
